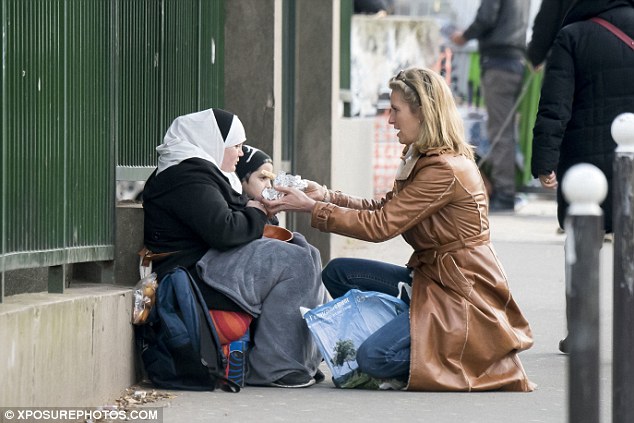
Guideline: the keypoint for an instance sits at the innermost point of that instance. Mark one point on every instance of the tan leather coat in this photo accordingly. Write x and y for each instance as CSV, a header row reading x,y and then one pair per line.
x,y
466,328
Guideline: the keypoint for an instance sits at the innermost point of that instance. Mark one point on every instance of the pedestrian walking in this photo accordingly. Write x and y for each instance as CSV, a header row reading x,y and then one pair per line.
x,y
587,83
500,28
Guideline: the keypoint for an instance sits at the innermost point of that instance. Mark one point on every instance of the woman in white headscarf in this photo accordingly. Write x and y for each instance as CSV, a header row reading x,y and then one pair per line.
x,y
194,210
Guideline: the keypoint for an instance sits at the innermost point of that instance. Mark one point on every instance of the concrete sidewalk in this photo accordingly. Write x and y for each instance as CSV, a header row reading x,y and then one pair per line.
x,y
531,250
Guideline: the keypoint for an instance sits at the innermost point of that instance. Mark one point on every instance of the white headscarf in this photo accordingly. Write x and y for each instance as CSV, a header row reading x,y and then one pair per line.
x,y
198,135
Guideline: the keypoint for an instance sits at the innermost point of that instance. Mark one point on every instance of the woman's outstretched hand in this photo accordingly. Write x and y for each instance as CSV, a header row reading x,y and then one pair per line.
x,y
314,190
293,200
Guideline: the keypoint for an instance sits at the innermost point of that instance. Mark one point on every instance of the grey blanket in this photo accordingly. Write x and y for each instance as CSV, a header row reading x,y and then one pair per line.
x,y
271,279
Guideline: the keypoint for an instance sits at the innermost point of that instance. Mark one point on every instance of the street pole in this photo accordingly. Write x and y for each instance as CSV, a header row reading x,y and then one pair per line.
x,y
623,222
584,187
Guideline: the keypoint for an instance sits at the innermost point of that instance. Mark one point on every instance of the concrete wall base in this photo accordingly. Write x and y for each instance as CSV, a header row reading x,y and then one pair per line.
x,y
71,349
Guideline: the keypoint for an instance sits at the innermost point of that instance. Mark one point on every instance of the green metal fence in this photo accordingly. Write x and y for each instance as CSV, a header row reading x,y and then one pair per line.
x,y
57,154
88,88
169,63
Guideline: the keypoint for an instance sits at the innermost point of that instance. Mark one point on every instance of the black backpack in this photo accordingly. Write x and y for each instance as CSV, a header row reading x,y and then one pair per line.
x,y
179,345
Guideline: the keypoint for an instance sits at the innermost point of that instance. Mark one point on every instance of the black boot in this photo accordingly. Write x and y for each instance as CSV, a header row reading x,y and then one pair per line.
x,y
563,345
502,203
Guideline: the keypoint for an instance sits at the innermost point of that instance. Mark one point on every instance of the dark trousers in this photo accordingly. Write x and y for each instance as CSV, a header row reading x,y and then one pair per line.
x,y
501,89
386,353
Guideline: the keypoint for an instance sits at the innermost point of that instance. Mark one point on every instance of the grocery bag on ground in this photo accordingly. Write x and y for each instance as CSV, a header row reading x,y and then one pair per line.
x,y
340,327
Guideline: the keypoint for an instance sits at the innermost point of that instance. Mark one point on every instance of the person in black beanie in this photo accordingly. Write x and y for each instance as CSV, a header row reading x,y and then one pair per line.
x,y
255,171
250,169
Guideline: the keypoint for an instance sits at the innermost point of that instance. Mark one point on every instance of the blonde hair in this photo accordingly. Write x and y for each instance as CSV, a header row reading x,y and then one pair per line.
x,y
441,124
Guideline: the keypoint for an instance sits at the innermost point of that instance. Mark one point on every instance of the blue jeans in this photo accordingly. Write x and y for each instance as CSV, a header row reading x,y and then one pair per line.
x,y
386,353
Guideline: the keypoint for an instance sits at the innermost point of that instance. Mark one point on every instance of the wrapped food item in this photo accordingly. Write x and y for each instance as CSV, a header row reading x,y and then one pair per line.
x,y
144,298
283,179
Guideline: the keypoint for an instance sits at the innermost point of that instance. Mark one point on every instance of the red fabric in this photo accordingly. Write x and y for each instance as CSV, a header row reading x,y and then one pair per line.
x,y
615,30
230,325
225,350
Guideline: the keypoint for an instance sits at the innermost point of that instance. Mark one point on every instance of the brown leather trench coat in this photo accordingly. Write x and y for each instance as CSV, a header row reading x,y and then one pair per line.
x,y
466,329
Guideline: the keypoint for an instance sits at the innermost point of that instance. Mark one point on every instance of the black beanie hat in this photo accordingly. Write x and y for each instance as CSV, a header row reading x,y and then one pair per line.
x,y
252,159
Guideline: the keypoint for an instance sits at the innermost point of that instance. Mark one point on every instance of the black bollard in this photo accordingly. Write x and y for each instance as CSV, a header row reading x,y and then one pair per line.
x,y
584,187
623,222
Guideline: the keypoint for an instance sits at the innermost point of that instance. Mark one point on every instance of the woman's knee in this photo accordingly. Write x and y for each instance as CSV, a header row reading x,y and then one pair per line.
x,y
331,270
334,265
386,353
370,360
334,277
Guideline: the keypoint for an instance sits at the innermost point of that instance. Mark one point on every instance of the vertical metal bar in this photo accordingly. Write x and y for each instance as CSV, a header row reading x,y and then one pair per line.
x,y
199,85
113,106
162,65
65,132
623,341
623,318
585,235
584,187
3,148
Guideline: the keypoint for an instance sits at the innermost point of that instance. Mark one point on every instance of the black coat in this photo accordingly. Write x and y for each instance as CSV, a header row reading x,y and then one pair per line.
x,y
190,208
589,80
545,28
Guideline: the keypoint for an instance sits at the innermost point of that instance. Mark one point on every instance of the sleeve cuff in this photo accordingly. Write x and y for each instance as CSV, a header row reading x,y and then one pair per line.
x,y
321,214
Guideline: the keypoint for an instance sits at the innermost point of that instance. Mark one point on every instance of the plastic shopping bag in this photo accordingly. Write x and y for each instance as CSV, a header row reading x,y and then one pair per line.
x,y
144,298
340,327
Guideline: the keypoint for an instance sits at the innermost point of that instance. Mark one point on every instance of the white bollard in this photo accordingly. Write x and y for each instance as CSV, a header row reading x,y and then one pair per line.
x,y
623,132
584,187
623,223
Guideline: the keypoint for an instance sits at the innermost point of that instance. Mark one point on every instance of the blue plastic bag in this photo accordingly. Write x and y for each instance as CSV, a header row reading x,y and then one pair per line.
x,y
340,327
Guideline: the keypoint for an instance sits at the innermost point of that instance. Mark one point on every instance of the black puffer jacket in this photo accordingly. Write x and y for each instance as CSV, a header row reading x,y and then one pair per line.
x,y
545,28
588,82
500,28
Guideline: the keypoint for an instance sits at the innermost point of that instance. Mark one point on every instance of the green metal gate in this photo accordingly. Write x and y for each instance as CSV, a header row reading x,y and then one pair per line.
x,y
57,150
169,63
88,88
